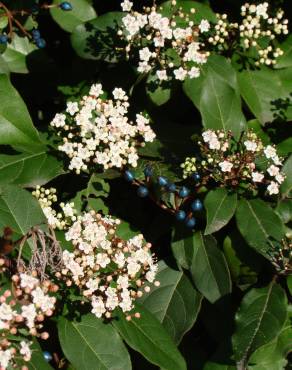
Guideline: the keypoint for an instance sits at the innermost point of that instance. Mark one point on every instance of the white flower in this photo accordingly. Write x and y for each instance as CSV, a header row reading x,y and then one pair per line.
x,y
96,90
119,94
28,281
25,350
126,5
145,54
273,170
194,72
280,178
273,188
225,166
261,10
6,312
251,145
72,108
98,308
270,152
143,67
59,120
180,74
257,177
204,25
29,313
5,357
162,75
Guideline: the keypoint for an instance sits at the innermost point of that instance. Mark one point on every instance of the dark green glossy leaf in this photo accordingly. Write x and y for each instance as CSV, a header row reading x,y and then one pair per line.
x,y
147,336
215,93
285,60
263,90
259,224
284,210
19,210
259,320
29,169
91,344
16,126
82,12
209,268
220,208
175,302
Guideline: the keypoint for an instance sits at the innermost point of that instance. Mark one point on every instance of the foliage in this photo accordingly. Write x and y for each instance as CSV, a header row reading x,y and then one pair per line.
x,y
165,128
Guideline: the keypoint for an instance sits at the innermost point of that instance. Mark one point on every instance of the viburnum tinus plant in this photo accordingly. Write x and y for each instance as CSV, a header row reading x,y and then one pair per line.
x,y
145,185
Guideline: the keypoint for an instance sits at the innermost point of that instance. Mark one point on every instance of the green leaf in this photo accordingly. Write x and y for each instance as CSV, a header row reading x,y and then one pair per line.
x,y
286,186
215,93
260,318
14,57
158,92
220,208
182,246
29,169
97,39
147,336
175,303
284,210
19,210
272,356
259,224
285,147
82,12
209,268
256,127
90,344
285,60
16,126
261,90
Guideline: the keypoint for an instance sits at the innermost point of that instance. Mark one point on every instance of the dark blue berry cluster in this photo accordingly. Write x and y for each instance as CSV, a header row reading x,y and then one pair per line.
x,y
3,39
186,205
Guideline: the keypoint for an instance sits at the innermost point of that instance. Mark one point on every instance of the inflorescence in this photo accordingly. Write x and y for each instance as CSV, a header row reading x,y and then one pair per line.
x,y
176,46
97,132
110,272
244,163
58,219
23,309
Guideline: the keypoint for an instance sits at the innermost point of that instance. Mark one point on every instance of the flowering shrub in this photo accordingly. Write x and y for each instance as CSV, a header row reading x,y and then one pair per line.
x,y
145,185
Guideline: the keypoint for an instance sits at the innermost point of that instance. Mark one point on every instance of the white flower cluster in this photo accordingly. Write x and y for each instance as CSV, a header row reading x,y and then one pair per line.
x,y
22,311
48,199
257,31
97,132
150,36
108,270
234,163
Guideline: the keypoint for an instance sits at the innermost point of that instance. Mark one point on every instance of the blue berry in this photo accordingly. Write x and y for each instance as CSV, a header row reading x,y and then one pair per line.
x,y
36,35
184,192
65,5
47,356
190,222
128,176
197,205
40,43
180,215
142,191
171,187
162,181
148,171
3,39
196,176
